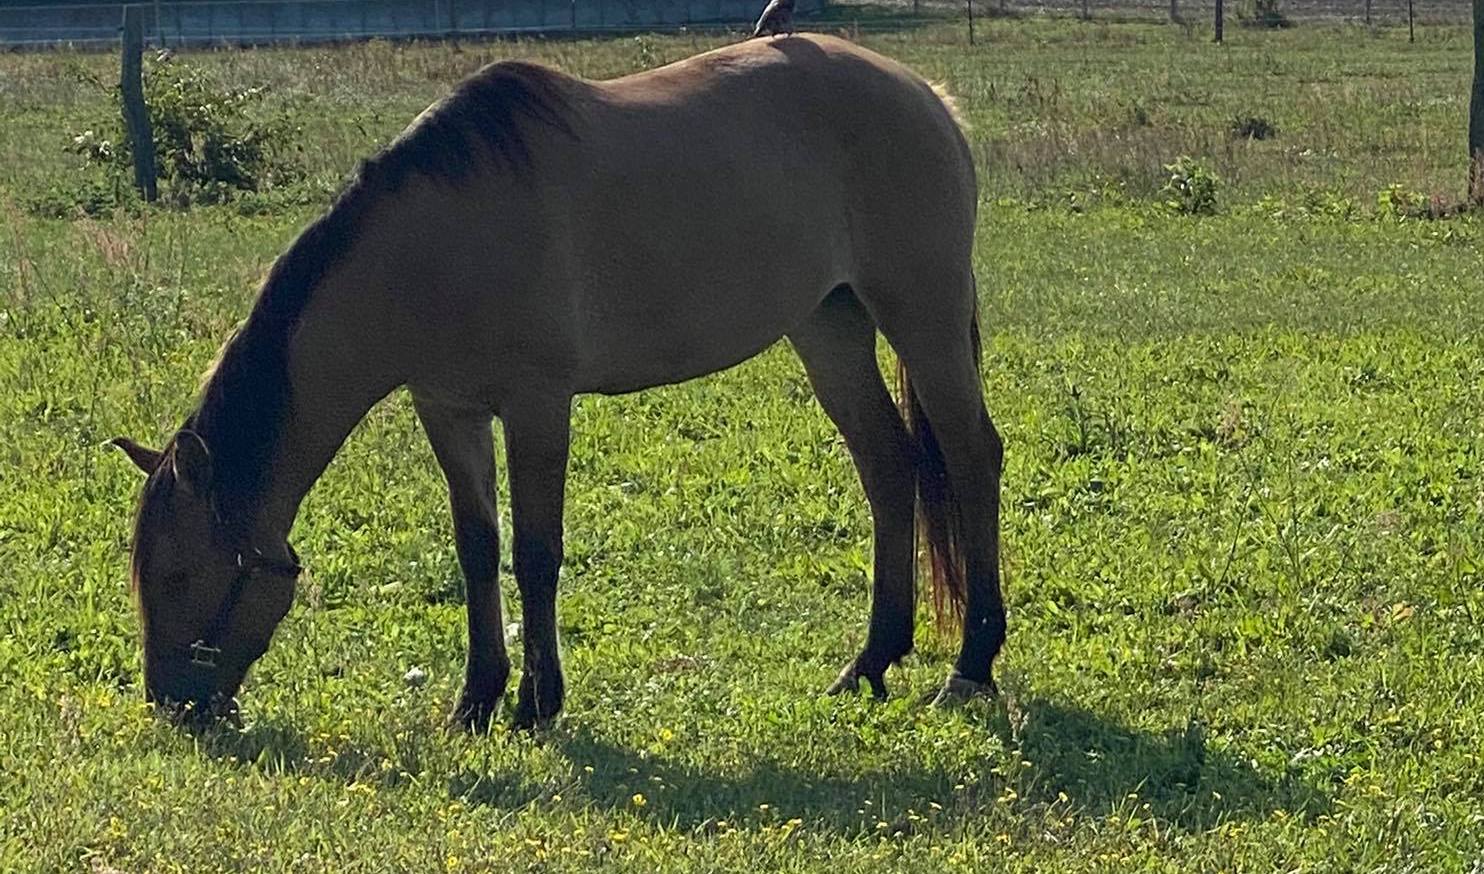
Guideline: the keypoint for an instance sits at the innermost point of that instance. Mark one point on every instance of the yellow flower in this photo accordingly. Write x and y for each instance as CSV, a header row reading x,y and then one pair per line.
x,y
639,799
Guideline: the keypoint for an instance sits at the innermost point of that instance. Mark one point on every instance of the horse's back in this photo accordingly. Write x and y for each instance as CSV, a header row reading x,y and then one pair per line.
x,y
680,220
714,202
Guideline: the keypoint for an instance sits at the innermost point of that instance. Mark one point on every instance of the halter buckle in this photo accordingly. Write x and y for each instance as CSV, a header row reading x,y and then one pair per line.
x,y
204,654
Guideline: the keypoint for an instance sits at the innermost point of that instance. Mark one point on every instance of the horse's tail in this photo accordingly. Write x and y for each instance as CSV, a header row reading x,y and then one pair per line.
x,y
939,513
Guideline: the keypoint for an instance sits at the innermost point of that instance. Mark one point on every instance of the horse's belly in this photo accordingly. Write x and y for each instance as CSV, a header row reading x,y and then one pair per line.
x,y
667,302
675,341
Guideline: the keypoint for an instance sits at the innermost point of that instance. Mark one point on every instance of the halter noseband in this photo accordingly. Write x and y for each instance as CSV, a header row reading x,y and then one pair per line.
x,y
204,651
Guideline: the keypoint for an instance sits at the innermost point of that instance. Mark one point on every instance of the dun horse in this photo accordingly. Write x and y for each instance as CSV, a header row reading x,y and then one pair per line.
x,y
533,236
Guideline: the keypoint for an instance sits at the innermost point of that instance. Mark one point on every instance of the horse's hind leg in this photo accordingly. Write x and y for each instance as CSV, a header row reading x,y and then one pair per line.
x,y
464,446
838,346
941,357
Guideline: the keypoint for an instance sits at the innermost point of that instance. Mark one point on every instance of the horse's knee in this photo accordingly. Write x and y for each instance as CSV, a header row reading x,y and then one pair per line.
x,y
537,561
996,446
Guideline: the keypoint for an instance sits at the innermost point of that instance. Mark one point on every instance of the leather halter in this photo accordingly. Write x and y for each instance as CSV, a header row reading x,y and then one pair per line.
x,y
204,651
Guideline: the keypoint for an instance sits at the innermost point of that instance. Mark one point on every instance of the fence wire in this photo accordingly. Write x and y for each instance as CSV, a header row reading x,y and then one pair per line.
x,y
209,22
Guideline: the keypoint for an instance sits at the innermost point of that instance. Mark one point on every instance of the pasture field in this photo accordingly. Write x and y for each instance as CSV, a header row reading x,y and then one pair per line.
x,y
1244,514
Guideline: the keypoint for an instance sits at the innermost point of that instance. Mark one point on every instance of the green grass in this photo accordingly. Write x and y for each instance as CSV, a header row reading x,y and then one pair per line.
x,y
1244,515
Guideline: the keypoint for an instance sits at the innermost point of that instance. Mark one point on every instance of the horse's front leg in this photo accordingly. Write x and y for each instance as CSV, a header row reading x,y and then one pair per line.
x,y
537,433
465,449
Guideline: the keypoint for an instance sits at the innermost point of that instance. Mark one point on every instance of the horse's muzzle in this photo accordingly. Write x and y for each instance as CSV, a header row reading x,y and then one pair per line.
x,y
191,693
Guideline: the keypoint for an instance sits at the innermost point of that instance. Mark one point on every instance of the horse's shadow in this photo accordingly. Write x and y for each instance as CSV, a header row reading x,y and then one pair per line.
x,y
1070,756
1064,755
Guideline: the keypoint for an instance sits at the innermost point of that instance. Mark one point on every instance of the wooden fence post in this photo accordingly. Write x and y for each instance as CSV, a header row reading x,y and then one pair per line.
x,y
1175,11
1476,111
1219,21
136,114
1411,29
971,22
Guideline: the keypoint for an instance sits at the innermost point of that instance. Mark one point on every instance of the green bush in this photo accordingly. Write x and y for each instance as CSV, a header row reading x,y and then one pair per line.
x,y
210,144
1398,201
1191,187
1262,13
1253,127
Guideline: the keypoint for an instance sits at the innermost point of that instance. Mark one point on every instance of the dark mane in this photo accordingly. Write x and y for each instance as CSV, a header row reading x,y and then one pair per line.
x,y
247,393
486,115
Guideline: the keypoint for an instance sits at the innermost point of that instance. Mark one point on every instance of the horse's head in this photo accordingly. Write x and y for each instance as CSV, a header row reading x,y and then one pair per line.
x,y
208,600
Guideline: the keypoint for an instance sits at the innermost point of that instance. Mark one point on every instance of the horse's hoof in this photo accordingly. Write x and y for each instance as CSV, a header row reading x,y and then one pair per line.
x,y
527,719
849,681
539,700
473,716
957,690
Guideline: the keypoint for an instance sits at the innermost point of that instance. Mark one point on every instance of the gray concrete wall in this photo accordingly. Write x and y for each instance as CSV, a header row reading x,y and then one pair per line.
x,y
270,21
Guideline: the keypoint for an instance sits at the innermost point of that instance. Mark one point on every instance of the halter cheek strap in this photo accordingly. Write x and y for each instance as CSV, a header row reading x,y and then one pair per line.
x,y
204,651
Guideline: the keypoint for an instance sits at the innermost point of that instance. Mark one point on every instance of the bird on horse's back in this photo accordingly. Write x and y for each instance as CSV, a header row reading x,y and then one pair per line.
x,y
534,236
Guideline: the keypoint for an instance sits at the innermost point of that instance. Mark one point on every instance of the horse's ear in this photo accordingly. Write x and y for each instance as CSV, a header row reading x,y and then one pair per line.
x,y
144,458
191,463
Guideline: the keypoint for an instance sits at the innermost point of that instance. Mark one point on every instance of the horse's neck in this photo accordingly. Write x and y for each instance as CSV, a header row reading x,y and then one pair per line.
x,y
340,364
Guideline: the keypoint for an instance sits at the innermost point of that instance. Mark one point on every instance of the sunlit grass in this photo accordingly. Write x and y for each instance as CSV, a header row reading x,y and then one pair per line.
x,y
1243,515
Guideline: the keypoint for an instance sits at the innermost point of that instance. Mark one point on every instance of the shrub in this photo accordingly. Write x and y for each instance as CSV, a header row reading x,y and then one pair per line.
x,y
646,53
209,144
1191,187
1253,127
1397,201
1262,13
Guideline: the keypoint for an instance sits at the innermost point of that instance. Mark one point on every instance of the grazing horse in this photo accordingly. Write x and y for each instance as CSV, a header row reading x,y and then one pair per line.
x,y
533,236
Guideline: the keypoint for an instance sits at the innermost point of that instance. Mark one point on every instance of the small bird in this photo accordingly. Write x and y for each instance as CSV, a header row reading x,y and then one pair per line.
x,y
777,18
